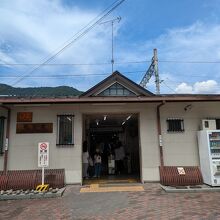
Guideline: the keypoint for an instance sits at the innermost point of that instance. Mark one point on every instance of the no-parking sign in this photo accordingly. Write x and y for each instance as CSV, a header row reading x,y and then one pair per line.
x,y
43,154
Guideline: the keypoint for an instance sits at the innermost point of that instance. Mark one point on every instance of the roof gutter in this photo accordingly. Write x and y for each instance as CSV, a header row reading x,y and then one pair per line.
x,y
7,139
160,133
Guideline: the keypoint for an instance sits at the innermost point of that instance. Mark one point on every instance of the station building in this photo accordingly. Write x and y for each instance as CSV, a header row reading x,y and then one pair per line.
x,y
155,130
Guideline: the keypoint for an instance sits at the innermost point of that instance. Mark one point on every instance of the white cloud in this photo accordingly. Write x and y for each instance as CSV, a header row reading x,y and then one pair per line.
x,y
197,42
32,30
38,28
184,88
204,87
209,86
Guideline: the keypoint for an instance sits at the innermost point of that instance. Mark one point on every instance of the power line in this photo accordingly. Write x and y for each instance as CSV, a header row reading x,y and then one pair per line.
x,y
56,64
189,62
168,86
178,82
70,75
77,36
72,64
97,74
57,76
107,63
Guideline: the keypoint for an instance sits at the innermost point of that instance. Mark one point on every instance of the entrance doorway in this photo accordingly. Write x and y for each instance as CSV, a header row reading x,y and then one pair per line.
x,y
116,138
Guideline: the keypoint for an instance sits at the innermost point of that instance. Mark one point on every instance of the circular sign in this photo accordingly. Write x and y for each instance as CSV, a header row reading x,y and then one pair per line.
x,y
43,146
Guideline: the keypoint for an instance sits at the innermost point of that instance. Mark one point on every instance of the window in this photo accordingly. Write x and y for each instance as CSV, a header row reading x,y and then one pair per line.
x,y
217,123
2,125
65,129
116,90
175,125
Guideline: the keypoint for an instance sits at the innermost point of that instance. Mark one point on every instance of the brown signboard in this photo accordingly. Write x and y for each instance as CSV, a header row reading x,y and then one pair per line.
x,y
24,116
28,128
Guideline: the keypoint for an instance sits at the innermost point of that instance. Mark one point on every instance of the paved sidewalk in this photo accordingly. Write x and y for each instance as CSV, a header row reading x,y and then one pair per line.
x,y
153,203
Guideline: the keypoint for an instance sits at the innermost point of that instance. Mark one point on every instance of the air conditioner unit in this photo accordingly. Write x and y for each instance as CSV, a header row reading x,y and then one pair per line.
x,y
208,124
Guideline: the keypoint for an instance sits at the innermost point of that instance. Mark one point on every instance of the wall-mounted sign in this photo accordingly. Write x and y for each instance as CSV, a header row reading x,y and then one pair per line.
x,y
181,171
29,128
24,116
43,154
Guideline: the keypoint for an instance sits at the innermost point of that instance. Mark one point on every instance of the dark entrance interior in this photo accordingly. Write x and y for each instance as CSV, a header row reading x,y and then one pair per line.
x,y
107,132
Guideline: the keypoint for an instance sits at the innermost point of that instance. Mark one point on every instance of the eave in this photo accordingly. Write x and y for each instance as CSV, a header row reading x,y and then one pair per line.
x,y
72,100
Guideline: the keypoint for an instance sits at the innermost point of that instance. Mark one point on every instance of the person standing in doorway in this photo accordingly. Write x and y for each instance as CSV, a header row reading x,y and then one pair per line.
x,y
98,163
85,160
119,158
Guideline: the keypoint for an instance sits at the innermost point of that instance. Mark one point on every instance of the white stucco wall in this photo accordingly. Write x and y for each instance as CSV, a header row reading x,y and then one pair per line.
x,y
179,148
23,147
182,148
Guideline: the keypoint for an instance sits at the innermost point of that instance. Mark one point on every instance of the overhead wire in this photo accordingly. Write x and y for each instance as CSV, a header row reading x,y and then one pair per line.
x,y
174,83
169,87
77,36
163,80
107,63
189,62
56,64
70,75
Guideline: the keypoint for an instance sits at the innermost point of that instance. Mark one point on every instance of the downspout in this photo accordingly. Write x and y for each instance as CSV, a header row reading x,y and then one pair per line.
x,y
160,134
7,139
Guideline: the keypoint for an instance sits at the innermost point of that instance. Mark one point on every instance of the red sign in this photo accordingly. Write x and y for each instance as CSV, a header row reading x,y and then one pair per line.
x,y
43,146
43,154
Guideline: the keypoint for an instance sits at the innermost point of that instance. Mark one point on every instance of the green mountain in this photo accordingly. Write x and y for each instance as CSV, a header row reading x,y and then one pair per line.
x,y
59,91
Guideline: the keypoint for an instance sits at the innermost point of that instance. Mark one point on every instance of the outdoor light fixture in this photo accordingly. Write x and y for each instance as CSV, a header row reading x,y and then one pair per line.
x,y
188,107
97,122
128,117
69,118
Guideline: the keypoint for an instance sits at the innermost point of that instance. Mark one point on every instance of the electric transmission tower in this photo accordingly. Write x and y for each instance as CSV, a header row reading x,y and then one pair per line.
x,y
152,71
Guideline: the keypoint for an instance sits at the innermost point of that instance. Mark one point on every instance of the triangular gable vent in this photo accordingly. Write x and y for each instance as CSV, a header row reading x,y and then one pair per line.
x,y
116,89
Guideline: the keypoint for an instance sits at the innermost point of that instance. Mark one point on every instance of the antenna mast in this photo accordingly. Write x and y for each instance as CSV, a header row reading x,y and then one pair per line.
x,y
118,19
152,70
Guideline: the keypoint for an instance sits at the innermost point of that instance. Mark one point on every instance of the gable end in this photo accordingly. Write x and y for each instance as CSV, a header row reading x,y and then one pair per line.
x,y
117,85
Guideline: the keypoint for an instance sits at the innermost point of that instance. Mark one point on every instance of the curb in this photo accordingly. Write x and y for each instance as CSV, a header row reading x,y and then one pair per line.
x,y
40,195
203,188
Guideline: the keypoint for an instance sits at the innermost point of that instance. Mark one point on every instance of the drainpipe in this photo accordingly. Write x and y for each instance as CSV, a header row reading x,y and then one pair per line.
x,y
7,139
160,133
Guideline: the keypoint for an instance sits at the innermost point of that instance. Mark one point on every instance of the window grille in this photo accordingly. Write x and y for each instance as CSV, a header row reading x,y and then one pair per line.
x,y
65,130
175,125
2,125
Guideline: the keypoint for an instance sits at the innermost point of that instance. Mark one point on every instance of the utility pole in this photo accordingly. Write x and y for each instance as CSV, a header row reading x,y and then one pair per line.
x,y
157,79
118,19
152,70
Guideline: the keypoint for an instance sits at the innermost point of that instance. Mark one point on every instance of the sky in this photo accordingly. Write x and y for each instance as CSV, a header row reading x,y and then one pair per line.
x,y
186,34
